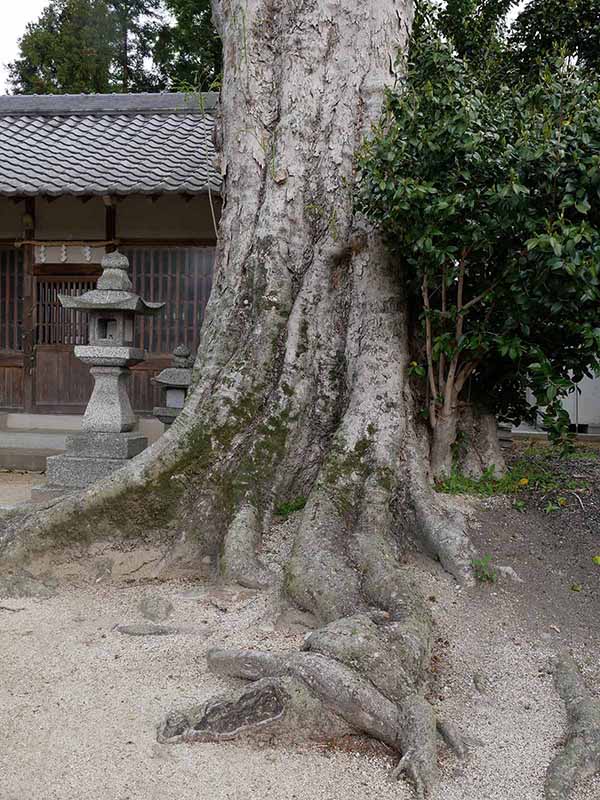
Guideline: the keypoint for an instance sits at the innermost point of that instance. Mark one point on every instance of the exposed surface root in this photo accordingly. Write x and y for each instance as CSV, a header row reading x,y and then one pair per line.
x,y
580,758
239,561
361,674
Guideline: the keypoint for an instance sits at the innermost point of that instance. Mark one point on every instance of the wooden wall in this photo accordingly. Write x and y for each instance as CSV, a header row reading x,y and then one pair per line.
x,y
180,276
170,243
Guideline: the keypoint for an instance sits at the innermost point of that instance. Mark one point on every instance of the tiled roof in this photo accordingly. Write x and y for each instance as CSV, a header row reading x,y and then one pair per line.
x,y
107,144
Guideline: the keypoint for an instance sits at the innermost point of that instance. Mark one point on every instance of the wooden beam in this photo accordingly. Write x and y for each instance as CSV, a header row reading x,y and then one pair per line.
x,y
110,228
11,360
132,241
142,242
28,307
66,270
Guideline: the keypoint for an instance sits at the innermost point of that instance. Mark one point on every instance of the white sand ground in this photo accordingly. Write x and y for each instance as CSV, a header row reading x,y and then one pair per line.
x,y
79,701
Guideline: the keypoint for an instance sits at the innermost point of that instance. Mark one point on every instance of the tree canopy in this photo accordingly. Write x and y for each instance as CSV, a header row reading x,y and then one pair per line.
x,y
482,32
490,195
188,51
118,46
70,48
151,45
550,27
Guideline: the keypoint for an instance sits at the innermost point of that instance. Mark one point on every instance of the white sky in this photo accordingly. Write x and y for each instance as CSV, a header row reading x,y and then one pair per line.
x,y
14,16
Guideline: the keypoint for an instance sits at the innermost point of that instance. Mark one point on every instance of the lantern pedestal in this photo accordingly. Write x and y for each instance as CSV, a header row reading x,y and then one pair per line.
x,y
109,409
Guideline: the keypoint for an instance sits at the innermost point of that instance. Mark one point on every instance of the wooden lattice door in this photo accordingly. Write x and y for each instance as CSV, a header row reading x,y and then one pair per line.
x,y
62,384
181,277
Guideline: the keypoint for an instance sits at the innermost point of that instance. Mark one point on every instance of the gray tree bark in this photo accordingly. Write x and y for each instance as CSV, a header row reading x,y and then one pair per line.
x,y
301,390
580,756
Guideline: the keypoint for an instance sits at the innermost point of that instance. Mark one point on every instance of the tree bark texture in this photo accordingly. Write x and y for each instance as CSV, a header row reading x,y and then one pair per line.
x,y
301,390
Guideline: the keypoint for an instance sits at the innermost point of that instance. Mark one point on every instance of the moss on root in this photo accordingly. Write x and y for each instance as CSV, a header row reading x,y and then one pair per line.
x,y
152,507
134,513
346,471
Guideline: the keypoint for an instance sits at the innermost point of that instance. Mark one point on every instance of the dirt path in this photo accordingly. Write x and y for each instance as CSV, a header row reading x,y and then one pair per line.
x,y
79,701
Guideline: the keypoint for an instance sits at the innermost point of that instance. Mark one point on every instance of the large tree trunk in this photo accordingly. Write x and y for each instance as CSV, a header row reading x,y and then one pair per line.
x,y
301,391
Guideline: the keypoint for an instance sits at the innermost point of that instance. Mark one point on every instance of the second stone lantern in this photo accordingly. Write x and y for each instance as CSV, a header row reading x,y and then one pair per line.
x,y
107,439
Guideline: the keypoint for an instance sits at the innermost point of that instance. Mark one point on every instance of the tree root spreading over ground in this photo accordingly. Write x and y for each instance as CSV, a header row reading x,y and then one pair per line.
x,y
580,757
343,682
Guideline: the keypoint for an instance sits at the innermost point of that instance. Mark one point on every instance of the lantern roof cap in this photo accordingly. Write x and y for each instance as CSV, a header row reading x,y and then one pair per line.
x,y
174,377
112,292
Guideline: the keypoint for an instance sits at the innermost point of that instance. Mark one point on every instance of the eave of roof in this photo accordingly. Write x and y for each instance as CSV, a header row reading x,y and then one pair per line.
x,y
86,145
84,104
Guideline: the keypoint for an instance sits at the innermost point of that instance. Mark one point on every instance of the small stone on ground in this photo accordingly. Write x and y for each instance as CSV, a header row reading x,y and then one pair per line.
x,y
147,629
22,584
156,608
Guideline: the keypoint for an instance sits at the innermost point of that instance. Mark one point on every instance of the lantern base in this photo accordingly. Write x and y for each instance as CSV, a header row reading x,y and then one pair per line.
x,y
96,444
90,457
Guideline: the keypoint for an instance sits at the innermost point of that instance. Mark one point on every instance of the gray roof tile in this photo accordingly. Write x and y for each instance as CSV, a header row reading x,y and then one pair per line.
x,y
107,144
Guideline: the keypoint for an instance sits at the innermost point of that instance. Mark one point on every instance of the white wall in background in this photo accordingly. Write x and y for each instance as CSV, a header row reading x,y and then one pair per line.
x,y
584,407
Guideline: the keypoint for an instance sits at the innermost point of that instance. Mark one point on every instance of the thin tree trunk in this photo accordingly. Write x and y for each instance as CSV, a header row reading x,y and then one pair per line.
x,y
442,442
125,56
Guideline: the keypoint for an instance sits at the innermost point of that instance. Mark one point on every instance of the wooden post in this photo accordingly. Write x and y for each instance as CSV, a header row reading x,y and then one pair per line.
x,y
110,227
28,307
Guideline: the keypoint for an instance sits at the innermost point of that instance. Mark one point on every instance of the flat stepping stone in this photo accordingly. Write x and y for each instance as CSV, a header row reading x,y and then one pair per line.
x,y
147,629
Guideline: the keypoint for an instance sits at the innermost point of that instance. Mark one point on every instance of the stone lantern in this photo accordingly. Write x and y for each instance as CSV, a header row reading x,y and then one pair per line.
x,y
174,383
107,439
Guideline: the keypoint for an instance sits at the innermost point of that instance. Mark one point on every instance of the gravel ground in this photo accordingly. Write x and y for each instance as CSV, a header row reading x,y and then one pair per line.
x,y
80,701
79,704
15,487
492,679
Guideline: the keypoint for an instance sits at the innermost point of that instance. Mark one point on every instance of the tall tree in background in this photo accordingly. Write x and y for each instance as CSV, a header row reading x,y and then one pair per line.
x,y
68,49
88,46
188,50
151,45
479,32
546,27
476,28
135,25
118,46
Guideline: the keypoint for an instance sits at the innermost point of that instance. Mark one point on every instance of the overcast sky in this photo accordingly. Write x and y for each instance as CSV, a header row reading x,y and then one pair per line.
x,y
13,19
